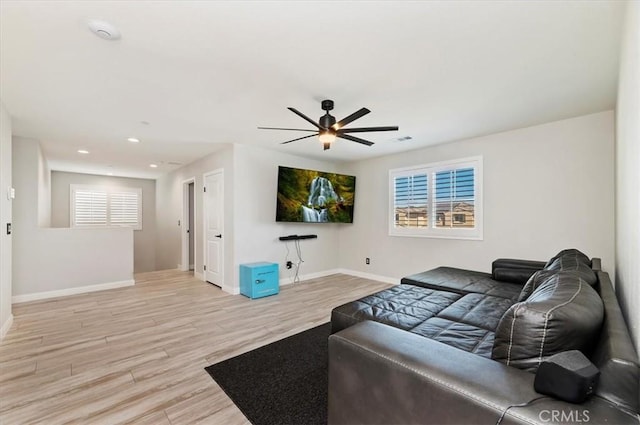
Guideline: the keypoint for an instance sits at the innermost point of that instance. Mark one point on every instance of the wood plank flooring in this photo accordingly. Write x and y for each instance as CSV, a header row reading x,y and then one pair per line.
x,y
136,355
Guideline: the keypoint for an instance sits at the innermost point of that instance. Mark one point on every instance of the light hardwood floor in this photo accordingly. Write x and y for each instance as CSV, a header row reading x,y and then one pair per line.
x,y
136,354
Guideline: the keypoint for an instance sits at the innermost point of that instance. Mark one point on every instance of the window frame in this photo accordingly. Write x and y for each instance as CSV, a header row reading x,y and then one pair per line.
x,y
475,233
109,191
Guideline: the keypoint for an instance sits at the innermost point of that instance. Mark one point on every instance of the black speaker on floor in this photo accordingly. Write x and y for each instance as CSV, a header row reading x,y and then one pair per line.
x,y
569,376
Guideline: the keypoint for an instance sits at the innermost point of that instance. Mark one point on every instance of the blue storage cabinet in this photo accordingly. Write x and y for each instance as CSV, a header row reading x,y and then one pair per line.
x,y
259,279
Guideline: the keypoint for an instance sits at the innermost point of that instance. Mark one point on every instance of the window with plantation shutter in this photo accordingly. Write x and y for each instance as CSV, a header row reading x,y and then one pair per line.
x,y
93,206
437,200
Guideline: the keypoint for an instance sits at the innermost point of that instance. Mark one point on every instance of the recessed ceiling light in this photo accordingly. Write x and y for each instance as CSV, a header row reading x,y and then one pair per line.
x,y
109,174
104,29
133,140
83,151
153,165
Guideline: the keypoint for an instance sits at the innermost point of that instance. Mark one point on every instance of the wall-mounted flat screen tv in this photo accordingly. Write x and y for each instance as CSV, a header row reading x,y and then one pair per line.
x,y
314,196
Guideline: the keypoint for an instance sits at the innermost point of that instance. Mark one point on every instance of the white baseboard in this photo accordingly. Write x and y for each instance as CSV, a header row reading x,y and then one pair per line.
x,y
6,326
393,280
71,291
385,279
232,291
289,279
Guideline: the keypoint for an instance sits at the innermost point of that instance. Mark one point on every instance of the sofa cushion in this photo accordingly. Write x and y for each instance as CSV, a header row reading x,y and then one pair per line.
x,y
514,270
402,306
563,313
534,281
572,252
482,311
460,335
463,282
573,260
574,263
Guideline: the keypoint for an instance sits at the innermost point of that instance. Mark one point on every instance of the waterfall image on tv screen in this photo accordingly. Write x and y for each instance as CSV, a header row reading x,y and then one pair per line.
x,y
314,196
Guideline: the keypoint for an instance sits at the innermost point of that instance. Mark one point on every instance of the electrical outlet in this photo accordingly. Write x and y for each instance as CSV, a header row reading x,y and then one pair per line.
x,y
289,264
367,261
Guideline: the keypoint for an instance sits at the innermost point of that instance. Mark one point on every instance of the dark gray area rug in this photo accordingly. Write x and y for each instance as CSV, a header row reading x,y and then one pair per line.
x,y
281,383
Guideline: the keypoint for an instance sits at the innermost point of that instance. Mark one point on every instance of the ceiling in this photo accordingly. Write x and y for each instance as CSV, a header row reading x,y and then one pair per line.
x,y
188,77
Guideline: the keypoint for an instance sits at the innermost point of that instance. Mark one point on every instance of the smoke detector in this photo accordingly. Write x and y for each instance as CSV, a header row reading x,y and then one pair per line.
x,y
104,30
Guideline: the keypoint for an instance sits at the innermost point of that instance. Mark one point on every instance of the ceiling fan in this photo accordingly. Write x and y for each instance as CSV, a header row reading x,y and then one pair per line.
x,y
328,129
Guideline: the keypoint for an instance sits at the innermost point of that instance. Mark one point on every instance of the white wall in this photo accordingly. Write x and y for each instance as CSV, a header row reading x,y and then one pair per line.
x,y
6,317
251,232
169,197
256,231
546,188
144,244
47,261
628,173
44,192
54,262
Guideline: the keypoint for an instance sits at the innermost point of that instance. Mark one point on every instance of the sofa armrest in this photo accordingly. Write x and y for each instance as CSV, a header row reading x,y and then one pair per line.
x,y
381,375
514,270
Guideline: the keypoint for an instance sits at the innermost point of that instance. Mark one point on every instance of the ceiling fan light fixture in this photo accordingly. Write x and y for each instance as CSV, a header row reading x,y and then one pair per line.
x,y
327,136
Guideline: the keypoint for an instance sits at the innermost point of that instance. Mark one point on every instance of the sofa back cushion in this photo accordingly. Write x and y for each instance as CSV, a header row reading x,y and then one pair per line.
x,y
575,261
578,255
537,279
563,313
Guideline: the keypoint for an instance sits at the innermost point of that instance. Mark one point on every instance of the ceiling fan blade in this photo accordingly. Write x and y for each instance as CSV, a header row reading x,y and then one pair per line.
x,y
354,139
304,117
366,129
346,120
299,138
280,128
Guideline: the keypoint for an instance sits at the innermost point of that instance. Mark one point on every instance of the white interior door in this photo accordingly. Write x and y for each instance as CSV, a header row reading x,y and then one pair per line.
x,y
214,226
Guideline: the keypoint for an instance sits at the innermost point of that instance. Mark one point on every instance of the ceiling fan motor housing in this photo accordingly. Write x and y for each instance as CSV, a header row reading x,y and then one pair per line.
x,y
327,120
327,105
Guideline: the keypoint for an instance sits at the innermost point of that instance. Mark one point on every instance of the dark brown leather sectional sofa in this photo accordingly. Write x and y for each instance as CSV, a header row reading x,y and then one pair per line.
x,y
462,347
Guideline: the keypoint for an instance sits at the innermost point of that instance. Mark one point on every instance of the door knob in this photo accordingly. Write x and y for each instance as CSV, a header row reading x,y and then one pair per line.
x,y
219,236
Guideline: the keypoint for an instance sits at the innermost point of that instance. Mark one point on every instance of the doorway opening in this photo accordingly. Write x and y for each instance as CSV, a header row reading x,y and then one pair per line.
x,y
188,226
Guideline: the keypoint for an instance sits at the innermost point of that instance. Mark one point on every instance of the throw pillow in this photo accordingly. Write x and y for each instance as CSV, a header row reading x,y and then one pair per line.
x,y
563,313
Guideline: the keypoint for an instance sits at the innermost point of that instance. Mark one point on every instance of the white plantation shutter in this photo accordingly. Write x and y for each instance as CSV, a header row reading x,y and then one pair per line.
x,y
105,206
90,208
410,200
454,198
124,209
